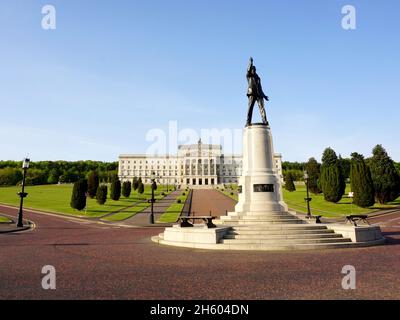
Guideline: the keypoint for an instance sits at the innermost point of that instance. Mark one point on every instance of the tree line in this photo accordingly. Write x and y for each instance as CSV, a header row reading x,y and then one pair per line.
x,y
52,172
375,179
92,187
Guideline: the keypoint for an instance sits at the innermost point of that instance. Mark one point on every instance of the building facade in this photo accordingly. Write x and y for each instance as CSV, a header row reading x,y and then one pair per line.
x,y
197,165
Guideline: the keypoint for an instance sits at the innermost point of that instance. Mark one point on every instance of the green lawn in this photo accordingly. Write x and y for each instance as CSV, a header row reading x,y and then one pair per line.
x,y
174,211
230,191
123,215
295,201
56,198
4,219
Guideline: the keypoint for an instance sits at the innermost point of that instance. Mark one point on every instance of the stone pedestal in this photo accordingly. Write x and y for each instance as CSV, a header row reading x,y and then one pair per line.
x,y
261,190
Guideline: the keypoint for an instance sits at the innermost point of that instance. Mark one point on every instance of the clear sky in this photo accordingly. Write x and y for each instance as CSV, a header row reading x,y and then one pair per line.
x,y
112,71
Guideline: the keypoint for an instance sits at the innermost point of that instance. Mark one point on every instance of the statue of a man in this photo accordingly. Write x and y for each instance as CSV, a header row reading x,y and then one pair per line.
x,y
255,93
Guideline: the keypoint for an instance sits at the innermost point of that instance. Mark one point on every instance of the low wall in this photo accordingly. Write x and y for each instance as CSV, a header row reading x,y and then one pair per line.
x,y
357,233
195,234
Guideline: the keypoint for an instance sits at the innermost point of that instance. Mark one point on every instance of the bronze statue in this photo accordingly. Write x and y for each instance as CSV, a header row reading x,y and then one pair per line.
x,y
255,93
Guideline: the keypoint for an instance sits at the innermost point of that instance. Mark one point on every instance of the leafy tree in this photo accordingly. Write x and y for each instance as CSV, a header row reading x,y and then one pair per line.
x,y
115,191
101,194
10,176
126,189
397,165
345,167
78,198
135,183
384,176
54,176
286,166
93,183
141,187
332,181
361,182
289,184
36,177
314,171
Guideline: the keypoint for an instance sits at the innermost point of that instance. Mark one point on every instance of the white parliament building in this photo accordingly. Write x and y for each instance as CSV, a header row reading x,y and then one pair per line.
x,y
196,165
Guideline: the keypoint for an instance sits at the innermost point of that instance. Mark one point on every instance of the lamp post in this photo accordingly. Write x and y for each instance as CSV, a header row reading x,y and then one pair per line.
x,y
22,194
308,199
152,200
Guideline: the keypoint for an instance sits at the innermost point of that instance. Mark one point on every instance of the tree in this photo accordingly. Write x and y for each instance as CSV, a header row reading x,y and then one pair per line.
x,y
345,167
10,176
361,182
140,187
54,176
384,176
314,171
101,194
135,183
332,181
78,198
126,189
115,191
93,183
289,184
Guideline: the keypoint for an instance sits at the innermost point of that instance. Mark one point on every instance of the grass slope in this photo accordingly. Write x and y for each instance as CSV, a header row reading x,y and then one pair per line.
x,y
56,198
174,210
295,201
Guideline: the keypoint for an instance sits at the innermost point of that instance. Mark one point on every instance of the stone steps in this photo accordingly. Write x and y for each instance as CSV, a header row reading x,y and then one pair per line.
x,y
284,247
294,241
258,218
281,236
289,227
260,222
280,232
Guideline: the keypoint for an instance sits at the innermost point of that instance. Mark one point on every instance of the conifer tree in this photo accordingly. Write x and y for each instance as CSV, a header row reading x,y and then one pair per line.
x,y
101,194
332,181
289,184
140,187
313,169
78,198
361,182
135,183
126,189
93,183
115,190
384,176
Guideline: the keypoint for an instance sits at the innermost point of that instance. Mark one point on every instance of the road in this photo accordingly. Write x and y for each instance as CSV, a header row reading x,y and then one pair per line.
x,y
95,261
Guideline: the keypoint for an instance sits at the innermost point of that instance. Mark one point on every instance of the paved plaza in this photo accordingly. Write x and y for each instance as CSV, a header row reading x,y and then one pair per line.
x,y
98,261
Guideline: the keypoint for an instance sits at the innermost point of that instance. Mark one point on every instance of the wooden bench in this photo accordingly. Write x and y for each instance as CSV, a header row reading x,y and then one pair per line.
x,y
317,218
354,218
184,221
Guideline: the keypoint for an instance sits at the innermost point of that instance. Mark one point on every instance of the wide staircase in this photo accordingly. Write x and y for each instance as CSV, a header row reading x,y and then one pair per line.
x,y
277,231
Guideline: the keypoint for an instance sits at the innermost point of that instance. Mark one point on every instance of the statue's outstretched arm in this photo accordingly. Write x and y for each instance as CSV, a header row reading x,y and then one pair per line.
x,y
250,64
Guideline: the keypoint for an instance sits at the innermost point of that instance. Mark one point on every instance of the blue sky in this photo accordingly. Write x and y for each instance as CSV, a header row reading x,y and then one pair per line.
x,y
113,70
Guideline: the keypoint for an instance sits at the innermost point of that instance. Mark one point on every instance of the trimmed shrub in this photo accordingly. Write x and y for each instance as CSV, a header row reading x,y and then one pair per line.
x,y
101,194
384,176
115,190
78,198
289,183
332,181
361,182
141,188
93,183
126,189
